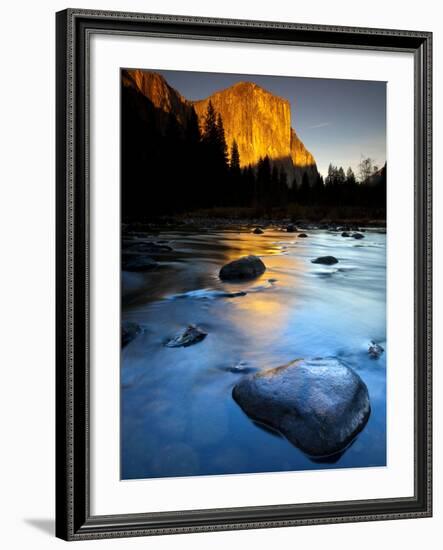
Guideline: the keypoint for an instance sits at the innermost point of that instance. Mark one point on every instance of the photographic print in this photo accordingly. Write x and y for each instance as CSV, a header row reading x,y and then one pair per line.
x,y
253,273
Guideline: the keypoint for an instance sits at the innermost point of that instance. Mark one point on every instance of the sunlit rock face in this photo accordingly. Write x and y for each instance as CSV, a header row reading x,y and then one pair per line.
x,y
258,120
302,160
299,154
157,90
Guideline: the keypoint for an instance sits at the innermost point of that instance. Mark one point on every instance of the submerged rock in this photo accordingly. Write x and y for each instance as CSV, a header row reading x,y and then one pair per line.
x,y
302,235
207,294
258,231
149,247
129,330
232,294
319,405
247,267
241,368
135,262
326,260
358,236
375,350
191,335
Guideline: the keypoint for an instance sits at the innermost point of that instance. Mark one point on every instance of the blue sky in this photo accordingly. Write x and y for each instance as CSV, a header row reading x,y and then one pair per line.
x,y
339,121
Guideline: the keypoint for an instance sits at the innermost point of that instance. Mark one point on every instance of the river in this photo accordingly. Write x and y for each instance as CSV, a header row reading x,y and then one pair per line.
x,y
178,417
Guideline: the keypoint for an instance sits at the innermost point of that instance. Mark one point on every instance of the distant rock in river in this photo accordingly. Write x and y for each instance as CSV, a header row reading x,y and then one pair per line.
x,y
247,267
375,350
320,405
325,260
191,335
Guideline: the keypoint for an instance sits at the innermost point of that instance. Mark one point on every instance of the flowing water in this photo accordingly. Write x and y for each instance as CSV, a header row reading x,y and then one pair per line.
x,y
178,417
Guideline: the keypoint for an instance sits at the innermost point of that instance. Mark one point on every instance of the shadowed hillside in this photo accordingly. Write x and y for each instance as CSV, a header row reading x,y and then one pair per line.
x,y
234,149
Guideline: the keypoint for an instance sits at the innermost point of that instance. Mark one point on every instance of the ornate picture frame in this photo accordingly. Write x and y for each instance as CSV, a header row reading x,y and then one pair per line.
x,y
74,520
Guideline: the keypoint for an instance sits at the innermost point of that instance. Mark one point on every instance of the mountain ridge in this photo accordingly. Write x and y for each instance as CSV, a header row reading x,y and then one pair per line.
x,y
258,120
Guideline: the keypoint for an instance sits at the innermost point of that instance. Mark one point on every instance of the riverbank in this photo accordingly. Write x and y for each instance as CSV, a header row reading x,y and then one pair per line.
x,y
202,221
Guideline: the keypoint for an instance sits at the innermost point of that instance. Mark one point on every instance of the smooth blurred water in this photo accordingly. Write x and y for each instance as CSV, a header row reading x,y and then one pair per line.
x,y
178,417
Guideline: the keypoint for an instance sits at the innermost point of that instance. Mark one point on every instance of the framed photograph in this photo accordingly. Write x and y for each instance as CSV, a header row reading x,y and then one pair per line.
x,y
243,274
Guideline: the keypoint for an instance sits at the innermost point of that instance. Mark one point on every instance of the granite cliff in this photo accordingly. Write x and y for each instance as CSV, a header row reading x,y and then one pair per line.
x,y
258,120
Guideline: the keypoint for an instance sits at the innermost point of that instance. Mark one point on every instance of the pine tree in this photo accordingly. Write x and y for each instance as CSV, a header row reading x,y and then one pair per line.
x,y
330,176
235,190
210,132
221,141
341,178
192,131
193,194
214,157
350,177
235,158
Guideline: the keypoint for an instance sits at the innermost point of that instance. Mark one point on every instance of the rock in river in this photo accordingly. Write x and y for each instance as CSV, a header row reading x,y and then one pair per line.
x,y
375,350
326,260
358,236
345,234
247,267
290,228
191,335
302,235
129,331
319,405
258,231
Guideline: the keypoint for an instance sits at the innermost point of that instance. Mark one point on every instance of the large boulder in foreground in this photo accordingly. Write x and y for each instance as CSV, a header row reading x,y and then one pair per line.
x,y
244,268
319,405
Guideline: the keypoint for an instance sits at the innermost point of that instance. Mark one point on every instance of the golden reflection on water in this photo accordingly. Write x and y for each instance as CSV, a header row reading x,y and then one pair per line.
x,y
267,313
246,244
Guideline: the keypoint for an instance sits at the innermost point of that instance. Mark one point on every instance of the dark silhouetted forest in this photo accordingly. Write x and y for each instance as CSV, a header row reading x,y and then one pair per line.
x,y
168,168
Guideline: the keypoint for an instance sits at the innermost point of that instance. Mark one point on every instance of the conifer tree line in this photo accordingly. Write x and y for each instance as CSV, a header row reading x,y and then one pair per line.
x,y
171,166
343,188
